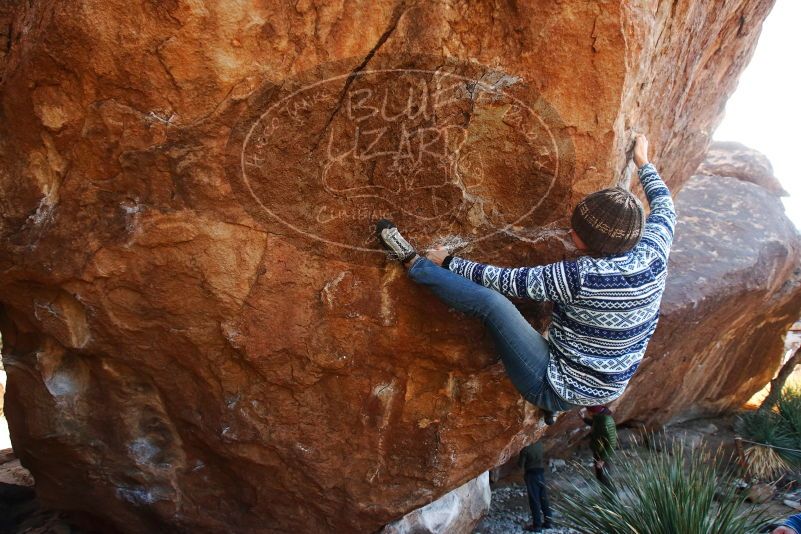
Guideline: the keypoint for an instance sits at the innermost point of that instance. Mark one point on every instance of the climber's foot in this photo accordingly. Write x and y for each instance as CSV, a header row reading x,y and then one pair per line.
x,y
393,241
548,417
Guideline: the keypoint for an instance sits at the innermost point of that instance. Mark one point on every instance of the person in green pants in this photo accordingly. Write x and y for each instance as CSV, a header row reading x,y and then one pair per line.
x,y
603,440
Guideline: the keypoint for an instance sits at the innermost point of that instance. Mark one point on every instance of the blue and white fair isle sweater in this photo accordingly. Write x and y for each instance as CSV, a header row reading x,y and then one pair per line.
x,y
605,309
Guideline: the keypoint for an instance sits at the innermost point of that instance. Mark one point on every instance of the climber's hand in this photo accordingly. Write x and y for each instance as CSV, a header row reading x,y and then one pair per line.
x,y
640,150
437,255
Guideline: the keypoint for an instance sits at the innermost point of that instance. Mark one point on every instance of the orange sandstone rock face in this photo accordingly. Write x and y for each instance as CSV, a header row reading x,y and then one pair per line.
x,y
199,330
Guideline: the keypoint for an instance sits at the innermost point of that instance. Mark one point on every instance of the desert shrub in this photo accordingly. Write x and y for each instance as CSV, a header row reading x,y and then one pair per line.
x,y
777,434
675,492
765,463
789,410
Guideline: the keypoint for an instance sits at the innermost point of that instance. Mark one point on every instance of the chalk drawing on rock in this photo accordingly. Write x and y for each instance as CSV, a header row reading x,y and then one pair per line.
x,y
445,151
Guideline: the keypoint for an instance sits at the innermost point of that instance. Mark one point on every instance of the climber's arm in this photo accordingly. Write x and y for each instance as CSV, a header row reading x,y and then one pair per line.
x,y
557,282
661,222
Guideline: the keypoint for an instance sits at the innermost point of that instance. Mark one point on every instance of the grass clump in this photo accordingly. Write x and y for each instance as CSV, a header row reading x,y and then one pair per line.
x,y
789,409
669,493
777,433
765,463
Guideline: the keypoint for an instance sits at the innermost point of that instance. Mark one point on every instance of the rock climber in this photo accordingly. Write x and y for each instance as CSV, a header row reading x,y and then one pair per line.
x,y
603,440
532,460
606,302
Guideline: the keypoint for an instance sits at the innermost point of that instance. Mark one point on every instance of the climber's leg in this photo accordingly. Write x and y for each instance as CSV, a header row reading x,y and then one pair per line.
x,y
524,352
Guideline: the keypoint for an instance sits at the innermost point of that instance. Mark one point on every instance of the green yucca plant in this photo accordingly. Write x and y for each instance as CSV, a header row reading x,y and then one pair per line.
x,y
773,428
668,493
789,408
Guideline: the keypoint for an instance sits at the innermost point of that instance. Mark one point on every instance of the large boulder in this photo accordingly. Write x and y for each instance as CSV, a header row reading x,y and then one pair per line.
x,y
199,330
729,158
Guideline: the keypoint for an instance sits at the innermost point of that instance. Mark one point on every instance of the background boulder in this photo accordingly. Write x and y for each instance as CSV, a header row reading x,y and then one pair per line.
x,y
729,158
457,511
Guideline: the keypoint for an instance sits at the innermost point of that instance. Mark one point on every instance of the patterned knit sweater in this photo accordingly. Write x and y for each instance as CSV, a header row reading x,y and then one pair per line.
x,y
605,309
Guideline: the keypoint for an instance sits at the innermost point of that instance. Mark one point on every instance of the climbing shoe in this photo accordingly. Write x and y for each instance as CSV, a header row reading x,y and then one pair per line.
x,y
548,417
393,241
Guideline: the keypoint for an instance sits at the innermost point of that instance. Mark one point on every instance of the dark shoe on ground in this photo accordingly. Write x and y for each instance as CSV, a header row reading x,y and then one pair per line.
x,y
393,241
548,417
532,528
548,524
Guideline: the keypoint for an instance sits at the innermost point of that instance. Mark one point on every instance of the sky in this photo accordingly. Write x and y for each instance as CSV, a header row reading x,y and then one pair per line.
x,y
765,110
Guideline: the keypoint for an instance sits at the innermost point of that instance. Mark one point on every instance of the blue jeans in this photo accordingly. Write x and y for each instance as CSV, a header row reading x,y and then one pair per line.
x,y
523,351
537,497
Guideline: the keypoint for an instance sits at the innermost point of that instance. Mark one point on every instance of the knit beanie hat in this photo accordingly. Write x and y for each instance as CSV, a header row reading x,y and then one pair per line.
x,y
609,221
